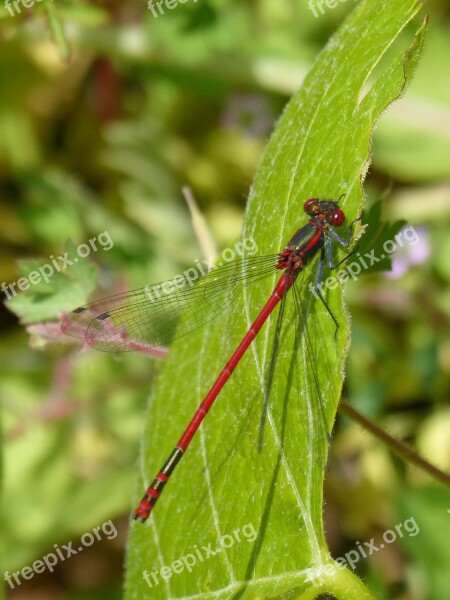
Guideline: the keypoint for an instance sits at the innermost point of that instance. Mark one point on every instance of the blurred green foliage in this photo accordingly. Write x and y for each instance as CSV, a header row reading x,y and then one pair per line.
x,y
105,112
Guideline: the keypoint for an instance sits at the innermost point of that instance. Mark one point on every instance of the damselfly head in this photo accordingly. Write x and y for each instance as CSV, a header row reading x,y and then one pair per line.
x,y
325,210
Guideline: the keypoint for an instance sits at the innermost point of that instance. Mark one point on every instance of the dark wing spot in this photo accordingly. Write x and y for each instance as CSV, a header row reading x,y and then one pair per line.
x,y
103,317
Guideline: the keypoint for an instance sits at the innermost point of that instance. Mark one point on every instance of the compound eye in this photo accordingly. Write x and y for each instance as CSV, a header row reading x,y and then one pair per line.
x,y
338,217
310,206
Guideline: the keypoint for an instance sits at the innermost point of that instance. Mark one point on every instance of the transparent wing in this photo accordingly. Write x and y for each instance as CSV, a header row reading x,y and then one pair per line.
x,y
305,356
312,353
156,314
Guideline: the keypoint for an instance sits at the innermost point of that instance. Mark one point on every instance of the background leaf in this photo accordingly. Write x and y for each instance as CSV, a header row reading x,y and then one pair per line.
x,y
50,290
319,148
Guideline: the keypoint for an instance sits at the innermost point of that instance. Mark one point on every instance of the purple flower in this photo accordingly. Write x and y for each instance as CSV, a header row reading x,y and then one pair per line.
x,y
412,251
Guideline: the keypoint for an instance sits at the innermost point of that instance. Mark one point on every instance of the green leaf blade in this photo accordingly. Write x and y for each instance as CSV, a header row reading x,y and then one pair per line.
x,y
224,485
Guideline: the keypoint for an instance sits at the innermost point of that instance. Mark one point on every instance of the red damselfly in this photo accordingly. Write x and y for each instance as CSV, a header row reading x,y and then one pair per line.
x,y
155,315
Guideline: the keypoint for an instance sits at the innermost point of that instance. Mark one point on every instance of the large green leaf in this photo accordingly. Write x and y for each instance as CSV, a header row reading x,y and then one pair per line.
x,y
225,486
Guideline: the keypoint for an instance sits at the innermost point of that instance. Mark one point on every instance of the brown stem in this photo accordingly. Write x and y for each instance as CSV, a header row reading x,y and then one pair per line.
x,y
398,447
